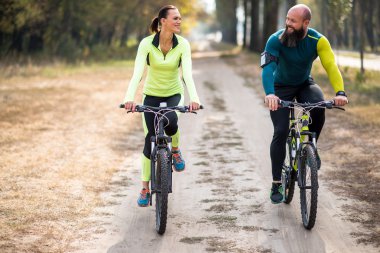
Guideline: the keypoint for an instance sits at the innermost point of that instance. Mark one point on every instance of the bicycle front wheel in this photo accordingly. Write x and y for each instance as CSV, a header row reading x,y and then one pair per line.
x,y
288,172
162,178
308,176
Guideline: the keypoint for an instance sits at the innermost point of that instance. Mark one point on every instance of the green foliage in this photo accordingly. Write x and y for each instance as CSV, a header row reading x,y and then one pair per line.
x,y
338,11
76,30
360,77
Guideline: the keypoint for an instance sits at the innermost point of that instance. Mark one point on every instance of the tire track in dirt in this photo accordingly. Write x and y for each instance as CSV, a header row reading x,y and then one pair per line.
x,y
223,165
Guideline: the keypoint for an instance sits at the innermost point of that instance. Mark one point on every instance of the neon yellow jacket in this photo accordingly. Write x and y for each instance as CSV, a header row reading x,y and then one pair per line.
x,y
163,77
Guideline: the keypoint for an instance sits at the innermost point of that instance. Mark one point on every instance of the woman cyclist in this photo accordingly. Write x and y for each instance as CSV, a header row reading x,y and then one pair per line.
x,y
163,53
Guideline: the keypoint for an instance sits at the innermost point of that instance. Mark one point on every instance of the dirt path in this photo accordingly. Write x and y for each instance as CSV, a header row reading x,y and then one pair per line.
x,y
220,203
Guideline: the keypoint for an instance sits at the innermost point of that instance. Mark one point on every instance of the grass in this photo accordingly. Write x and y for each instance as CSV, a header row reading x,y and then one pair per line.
x,y
55,159
59,69
221,208
222,219
192,240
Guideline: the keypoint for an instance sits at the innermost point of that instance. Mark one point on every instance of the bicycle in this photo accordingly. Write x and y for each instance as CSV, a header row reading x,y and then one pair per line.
x,y
161,160
301,161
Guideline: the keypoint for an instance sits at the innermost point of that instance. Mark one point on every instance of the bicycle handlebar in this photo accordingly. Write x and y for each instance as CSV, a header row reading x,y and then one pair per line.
x,y
328,104
143,108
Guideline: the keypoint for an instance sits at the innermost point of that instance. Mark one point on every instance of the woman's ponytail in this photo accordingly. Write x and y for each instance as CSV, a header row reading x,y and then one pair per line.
x,y
154,25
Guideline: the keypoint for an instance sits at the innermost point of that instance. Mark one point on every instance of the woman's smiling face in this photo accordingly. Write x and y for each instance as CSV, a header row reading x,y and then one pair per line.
x,y
172,22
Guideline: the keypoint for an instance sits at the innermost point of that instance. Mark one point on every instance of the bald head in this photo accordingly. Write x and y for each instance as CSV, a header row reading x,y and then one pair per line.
x,y
301,10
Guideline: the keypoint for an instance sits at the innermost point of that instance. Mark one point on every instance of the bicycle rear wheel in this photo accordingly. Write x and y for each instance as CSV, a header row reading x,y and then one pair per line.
x,y
308,186
162,178
288,175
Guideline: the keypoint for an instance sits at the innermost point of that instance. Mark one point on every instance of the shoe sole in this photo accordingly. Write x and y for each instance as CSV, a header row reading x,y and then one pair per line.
x,y
178,170
281,201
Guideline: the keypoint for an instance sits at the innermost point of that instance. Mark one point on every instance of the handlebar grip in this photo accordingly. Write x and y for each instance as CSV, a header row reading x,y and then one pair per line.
x,y
137,108
201,107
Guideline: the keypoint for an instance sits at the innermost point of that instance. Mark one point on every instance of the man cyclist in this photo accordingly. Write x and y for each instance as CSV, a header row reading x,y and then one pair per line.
x,y
286,62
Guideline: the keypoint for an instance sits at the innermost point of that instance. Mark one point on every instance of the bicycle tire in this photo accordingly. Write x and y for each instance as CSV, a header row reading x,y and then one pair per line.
x,y
308,186
162,178
288,176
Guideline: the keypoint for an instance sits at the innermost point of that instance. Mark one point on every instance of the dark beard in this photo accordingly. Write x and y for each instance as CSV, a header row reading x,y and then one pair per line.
x,y
292,39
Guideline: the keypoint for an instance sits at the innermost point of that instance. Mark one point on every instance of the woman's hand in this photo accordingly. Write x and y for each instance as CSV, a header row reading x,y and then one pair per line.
x,y
130,106
193,106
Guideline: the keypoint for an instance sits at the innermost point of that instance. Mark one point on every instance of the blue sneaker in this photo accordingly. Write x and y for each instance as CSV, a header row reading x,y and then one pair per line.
x,y
277,193
178,162
144,198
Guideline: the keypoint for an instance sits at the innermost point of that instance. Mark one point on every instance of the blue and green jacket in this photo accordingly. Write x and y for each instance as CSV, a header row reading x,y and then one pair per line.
x,y
294,63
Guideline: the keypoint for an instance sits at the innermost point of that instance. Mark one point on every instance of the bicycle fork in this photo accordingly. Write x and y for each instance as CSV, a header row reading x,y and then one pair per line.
x,y
164,143
300,144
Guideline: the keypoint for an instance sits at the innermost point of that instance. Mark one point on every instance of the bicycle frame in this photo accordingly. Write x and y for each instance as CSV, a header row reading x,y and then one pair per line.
x,y
300,129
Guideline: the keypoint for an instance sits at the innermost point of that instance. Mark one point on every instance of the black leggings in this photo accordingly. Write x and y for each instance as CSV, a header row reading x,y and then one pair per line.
x,y
170,129
306,92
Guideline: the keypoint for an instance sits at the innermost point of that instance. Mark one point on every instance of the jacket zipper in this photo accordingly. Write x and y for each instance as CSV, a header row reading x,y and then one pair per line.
x,y
166,53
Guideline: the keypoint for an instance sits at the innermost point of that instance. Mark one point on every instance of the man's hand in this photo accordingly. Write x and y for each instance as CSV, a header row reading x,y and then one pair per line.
x,y
340,100
193,106
130,106
271,101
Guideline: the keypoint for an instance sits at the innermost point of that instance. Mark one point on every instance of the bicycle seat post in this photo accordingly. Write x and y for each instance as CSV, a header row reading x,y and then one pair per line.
x,y
292,113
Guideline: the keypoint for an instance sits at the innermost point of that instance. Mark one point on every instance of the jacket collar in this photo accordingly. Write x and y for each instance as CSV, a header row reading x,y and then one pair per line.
x,y
156,40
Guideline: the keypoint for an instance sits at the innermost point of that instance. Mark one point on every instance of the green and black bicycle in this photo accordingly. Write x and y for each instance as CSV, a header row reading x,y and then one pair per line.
x,y
302,161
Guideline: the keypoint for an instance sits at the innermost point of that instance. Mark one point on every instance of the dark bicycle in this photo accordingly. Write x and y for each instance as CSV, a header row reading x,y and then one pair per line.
x,y
161,160
301,163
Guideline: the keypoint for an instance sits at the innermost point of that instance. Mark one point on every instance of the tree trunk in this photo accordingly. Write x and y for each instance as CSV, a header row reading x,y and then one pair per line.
x,y
368,22
245,6
270,19
226,15
377,22
346,34
255,40
361,35
354,25
289,4
124,36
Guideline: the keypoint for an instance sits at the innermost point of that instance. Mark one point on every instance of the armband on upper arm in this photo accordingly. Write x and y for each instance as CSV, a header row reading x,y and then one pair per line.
x,y
267,58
